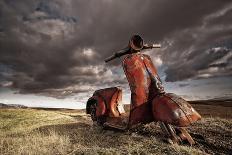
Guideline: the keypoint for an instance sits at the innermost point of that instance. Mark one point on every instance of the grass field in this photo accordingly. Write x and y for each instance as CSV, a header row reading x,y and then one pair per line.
x,y
38,131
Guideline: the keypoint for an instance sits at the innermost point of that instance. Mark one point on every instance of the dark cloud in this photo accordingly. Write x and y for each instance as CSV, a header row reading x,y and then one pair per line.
x,y
204,64
183,84
60,46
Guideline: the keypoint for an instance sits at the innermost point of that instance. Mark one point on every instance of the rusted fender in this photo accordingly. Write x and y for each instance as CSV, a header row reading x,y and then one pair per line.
x,y
172,109
100,105
115,100
107,101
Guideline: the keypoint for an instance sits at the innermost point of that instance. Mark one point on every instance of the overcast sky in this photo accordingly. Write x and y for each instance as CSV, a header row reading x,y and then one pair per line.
x,y
53,51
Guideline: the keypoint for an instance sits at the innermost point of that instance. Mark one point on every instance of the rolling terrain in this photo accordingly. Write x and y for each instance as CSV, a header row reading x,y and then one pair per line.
x,y
64,131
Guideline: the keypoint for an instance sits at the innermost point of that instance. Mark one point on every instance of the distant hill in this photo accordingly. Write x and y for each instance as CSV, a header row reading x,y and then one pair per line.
x,y
225,102
224,98
2,105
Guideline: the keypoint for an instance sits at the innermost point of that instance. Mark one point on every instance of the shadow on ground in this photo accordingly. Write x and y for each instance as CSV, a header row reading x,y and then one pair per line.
x,y
216,137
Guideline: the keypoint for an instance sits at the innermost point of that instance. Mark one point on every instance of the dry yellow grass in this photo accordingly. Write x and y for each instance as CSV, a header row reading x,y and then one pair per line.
x,y
24,120
31,131
35,143
19,135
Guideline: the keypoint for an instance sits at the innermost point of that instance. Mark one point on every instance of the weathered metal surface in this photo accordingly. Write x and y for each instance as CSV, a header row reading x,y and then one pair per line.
x,y
185,136
113,104
106,93
172,109
149,102
117,122
145,86
140,73
156,84
138,79
100,105
108,101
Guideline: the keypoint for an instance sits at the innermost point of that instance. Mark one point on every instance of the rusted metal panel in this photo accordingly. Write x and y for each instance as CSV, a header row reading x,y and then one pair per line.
x,y
117,122
106,93
116,98
172,109
101,107
155,87
141,114
108,100
140,83
138,79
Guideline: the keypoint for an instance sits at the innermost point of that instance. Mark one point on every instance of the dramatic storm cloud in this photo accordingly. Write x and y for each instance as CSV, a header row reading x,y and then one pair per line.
x,y
58,47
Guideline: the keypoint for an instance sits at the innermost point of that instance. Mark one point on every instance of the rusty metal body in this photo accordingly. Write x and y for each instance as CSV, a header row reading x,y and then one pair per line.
x,y
107,100
149,102
172,109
